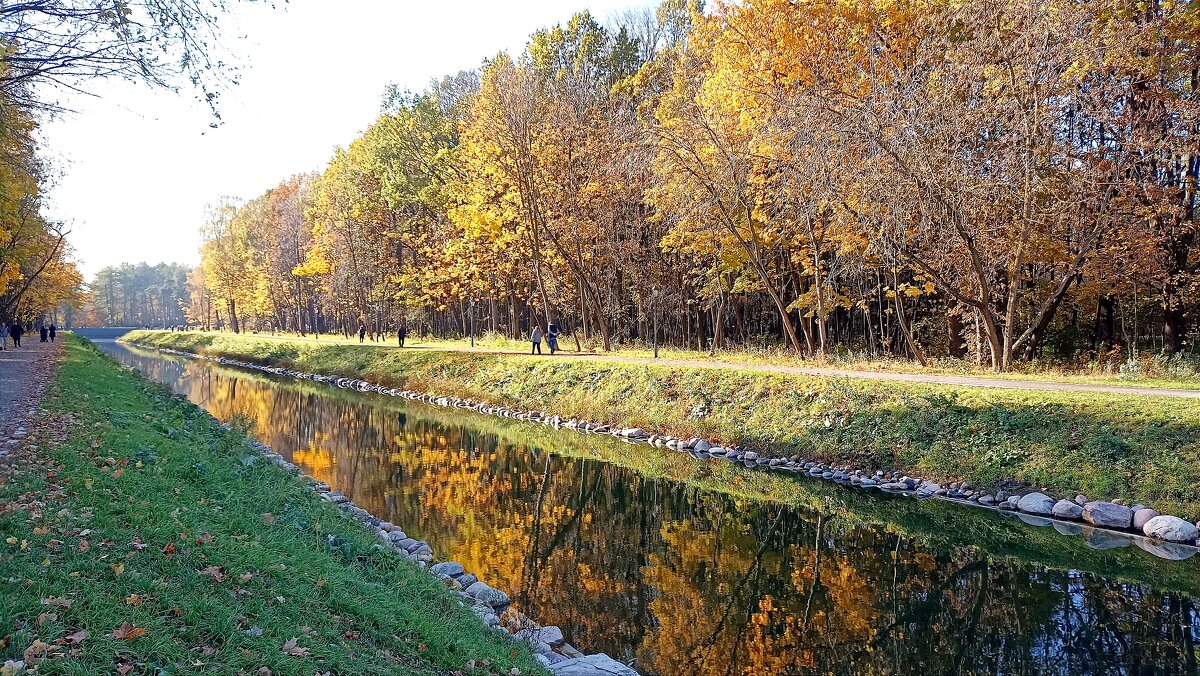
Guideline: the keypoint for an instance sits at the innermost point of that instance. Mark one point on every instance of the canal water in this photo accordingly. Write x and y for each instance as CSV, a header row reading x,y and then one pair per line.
x,y
685,566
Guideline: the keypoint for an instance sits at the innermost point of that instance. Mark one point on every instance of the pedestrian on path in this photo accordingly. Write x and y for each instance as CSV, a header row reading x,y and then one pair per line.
x,y
3,336
401,334
536,337
362,332
16,330
45,333
552,337
53,332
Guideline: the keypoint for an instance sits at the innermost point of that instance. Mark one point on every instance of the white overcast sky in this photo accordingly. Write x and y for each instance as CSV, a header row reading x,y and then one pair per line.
x,y
138,166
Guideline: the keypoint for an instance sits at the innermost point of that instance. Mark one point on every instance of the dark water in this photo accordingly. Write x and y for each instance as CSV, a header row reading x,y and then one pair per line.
x,y
682,580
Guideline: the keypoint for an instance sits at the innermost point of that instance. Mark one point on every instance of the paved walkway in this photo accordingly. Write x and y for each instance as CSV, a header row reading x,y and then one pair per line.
x,y
24,373
927,378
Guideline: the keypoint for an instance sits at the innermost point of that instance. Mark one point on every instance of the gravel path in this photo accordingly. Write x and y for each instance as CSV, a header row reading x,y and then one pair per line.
x,y
24,373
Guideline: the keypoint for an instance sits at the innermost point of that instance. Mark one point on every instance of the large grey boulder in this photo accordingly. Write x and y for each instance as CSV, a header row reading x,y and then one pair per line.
x,y
485,594
1141,516
1066,509
702,445
1107,515
591,665
451,568
1171,529
1036,503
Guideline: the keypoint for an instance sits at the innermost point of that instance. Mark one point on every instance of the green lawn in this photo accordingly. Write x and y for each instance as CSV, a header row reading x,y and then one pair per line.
x,y
1143,449
155,541
1182,372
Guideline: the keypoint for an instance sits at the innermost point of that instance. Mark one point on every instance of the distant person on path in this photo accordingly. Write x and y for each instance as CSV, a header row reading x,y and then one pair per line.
x,y
53,332
536,337
3,336
16,332
362,332
552,337
401,334
45,333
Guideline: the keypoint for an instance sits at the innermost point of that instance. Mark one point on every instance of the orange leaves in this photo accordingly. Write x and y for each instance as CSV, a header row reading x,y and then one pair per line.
x,y
169,550
127,632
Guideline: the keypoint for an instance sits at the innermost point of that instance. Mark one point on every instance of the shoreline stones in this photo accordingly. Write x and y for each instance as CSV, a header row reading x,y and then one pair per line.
x,y
1090,515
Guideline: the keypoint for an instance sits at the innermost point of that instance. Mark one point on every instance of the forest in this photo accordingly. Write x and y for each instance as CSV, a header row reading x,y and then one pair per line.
x,y
990,181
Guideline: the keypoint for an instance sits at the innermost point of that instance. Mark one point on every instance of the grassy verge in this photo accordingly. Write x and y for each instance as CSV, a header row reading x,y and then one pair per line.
x,y
937,525
152,540
1149,370
1141,449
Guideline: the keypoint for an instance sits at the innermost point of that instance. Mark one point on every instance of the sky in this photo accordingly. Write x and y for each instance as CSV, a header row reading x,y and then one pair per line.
x,y
137,167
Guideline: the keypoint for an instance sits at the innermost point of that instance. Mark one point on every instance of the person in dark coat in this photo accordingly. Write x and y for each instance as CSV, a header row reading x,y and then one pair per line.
x,y
362,332
552,337
401,334
45,333
53,332
16,330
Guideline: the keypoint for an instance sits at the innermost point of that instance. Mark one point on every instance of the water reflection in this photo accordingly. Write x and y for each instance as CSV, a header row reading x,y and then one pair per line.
x,y
683,581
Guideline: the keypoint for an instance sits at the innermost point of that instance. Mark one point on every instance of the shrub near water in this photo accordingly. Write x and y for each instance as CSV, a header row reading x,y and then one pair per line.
x,y
154,539
1145,449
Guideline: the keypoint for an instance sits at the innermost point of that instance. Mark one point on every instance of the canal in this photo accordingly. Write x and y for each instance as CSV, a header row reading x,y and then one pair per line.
x,y
683,566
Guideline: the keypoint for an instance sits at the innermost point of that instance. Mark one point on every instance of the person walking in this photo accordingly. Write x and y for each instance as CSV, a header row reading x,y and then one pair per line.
x,y
401,334
536,337
3,336
53,332
45,333
16,332
552,337
362,332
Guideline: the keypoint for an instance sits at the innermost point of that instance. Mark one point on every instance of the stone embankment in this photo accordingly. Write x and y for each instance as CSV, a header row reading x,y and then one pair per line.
x,y
1170,536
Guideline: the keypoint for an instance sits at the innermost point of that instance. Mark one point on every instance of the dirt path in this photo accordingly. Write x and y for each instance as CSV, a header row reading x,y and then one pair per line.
x,y
926,378
24,373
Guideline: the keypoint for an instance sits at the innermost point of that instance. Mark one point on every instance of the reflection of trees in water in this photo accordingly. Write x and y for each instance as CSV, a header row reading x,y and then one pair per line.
x,y
698,583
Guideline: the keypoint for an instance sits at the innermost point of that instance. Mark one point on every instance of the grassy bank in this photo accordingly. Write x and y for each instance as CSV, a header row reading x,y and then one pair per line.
x,y
937,525
1141,449
151,539
1148,370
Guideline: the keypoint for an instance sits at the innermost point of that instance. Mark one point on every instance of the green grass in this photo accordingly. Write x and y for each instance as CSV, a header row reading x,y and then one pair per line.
x,y
1144,449
146,479
1149,370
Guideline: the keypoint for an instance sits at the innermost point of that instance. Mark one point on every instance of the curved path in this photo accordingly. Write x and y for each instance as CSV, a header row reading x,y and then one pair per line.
x,y
922,378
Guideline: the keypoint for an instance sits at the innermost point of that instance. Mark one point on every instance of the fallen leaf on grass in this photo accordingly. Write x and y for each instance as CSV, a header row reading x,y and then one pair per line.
x,y
245,577
204,539
38,650
290,648
59,601
124,668
73,639
41,530
169,550
118,569
46,617
84,546
268,518
214,572
127,632
255,631
352,635
133,600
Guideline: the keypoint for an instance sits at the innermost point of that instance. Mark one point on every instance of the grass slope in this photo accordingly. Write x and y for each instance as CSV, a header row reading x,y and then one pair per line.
x,y
1142,449
152,515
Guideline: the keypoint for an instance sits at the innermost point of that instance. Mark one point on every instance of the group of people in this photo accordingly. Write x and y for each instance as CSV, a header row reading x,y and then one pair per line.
x,y
15,330
551,336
